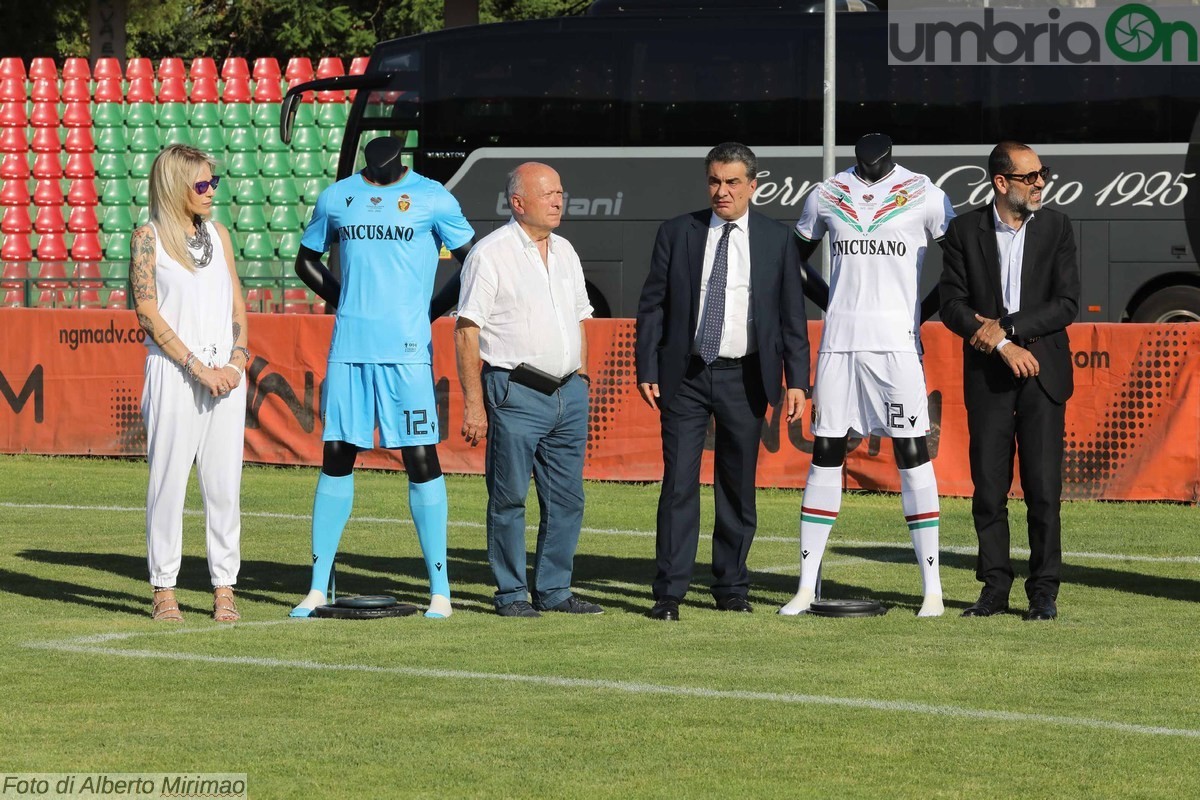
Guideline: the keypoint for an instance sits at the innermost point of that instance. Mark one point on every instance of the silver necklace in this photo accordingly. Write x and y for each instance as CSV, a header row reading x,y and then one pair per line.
x,y
202,242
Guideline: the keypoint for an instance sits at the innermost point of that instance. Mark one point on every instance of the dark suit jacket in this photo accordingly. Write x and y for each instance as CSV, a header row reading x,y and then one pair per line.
x,y
1049,297
669,309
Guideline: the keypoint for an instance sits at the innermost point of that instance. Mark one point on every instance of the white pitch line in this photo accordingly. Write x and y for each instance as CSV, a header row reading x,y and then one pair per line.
x,y
89,645
834,543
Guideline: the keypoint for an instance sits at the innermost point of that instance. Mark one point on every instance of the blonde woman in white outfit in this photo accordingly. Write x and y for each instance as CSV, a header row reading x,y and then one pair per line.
x,y
189,302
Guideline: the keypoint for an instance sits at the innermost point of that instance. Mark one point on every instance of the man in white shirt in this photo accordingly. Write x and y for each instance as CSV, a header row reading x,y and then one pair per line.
x,y
520,319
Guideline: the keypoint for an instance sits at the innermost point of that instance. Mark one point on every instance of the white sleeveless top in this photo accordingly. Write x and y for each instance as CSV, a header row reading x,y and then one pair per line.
x,y
197,305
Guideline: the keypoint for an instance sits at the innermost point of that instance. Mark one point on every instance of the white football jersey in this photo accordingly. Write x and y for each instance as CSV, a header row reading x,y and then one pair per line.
x,y
878,234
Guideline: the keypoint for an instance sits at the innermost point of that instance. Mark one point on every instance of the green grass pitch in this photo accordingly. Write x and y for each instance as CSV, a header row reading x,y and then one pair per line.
x,y
1101,703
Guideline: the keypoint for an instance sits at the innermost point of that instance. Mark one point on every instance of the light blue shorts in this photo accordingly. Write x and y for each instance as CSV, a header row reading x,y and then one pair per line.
x,y
398,399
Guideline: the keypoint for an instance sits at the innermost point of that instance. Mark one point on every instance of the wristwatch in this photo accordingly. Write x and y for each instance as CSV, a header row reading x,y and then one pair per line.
x,y
1006,325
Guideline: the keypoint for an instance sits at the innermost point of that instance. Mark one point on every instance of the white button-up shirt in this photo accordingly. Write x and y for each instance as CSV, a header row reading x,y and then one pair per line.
x,y
1010,243
528,311
737,332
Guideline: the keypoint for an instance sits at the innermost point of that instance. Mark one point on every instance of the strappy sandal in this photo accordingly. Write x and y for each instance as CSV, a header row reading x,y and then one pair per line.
x,y
224,609
166,607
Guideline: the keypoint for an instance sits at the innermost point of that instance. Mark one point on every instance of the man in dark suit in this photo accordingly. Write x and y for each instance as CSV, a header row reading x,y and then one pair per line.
x,y
1010,287
720,325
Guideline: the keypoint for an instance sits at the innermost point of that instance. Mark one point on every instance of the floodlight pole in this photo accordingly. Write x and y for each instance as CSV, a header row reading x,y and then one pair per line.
x,y
829,116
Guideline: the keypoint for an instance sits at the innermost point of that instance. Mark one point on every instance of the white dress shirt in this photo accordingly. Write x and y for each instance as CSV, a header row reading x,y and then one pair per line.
x,y
1010,243
737,332
528,311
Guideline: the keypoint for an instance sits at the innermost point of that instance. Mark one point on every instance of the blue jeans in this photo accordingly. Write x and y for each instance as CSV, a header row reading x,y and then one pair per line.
x,y
546,435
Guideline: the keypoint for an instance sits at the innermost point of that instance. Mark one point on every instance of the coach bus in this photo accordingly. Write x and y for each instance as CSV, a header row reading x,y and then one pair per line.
x,y
625,105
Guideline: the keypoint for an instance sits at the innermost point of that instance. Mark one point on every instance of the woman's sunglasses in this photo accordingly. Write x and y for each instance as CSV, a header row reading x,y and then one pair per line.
x,y
203,186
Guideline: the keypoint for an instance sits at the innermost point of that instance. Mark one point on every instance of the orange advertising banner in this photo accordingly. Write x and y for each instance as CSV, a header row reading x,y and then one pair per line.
x,y
71,383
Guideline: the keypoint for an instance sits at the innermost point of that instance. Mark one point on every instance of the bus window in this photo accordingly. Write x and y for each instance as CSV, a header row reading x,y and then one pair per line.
x,y
400,101
708,86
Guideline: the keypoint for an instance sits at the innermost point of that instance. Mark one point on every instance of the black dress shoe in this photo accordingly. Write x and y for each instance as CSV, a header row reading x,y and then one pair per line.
x,y
1041,606
666,609
989,604
734,602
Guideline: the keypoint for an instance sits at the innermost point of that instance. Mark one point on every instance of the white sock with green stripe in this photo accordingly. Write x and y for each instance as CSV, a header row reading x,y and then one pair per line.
x,y
919,499
818,510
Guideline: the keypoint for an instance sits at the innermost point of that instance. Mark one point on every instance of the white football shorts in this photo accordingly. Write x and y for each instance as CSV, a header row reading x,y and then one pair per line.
x,y
868,393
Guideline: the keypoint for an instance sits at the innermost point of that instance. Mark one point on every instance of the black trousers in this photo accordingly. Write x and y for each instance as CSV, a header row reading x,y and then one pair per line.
x,y
1021,420
730,392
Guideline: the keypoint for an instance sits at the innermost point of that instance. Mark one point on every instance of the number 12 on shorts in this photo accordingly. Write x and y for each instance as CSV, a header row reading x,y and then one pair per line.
x,y
416,423
895,414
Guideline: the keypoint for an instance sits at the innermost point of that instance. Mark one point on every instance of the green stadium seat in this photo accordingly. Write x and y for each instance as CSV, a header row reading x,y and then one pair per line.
x,y
141,193
241,140
313,188
331,164
205,115
251,218
108,115
117,219
284,192
173,115
309,165
140,115
285,218
261,272
111,140
289,245
175,135
116,245
407,160
333,139
223,215
305,116
266,115
257,246
332,115
236,115
277,165
243,165
140,164
144,140
411,140
307,140
143,216
210,140
112,271
269,141
117,192
249,192
112,165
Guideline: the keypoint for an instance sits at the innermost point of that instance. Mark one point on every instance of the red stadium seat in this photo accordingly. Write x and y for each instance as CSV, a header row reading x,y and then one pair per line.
x,y
42,68
14,275
139,69
260,299
87,273
330,67
107,68
51,249
108,90
16,220
171,68
77,90
77,115
14,140
204,90
234,68
13,298
53,298
14,168
307,97
49,220
76,68
12,115
141,90
83,193
44,90
203,68
46,165
12,90
236,90
16,248
45,140
14,193
44,115
296,301
88,298
172,90
12,67
48,192
299,68
266,69
83,220
79,140
86,248
79,165
267,90
116,299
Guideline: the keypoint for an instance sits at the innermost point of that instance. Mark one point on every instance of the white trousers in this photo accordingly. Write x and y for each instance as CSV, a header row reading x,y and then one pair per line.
x,y
184,425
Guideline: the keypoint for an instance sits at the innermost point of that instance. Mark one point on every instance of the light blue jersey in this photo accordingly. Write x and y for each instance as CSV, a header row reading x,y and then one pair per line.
x,y
389,238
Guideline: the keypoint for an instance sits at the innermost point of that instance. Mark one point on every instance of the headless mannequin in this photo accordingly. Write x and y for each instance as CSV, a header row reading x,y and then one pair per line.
x,y
873,163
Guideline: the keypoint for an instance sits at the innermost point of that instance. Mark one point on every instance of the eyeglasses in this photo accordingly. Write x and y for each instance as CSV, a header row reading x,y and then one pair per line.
x,y
1029,178
203,186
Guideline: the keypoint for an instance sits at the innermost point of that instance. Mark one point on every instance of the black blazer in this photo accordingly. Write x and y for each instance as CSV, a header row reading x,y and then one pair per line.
x,y
669,309
970,284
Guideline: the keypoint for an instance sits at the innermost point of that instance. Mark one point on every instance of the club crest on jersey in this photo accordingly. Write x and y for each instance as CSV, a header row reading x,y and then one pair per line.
x,y
901,198
404,203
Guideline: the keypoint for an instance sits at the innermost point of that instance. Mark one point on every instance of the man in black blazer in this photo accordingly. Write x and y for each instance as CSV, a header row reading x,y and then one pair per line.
x,y
1010,287
720,325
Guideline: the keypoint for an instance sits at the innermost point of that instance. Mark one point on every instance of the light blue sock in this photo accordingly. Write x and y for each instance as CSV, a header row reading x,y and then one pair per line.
x,y
331,511
427,501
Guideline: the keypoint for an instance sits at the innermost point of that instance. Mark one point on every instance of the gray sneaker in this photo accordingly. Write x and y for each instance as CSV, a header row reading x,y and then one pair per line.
x,y
573,605
517,608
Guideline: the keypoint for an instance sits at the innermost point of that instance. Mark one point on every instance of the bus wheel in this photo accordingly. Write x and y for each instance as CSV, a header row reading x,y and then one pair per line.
x,y
1173,304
